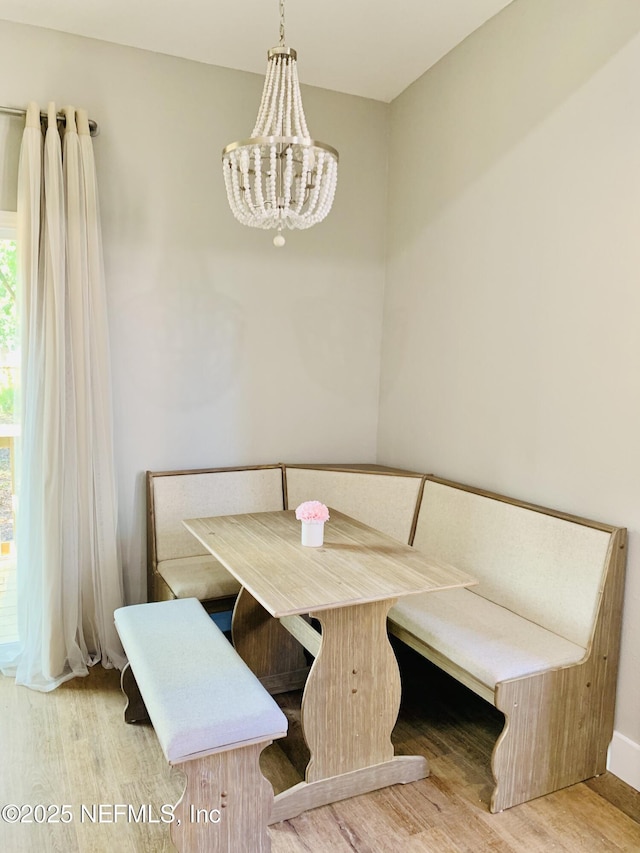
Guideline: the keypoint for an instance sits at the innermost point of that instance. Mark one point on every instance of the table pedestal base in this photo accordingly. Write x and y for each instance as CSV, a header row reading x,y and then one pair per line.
x,y
311,795
350,703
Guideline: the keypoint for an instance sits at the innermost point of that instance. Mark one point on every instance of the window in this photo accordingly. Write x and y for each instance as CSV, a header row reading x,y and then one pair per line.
x,y
9,424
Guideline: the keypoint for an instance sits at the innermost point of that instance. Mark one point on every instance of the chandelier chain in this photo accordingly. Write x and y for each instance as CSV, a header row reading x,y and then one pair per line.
x,y
281,23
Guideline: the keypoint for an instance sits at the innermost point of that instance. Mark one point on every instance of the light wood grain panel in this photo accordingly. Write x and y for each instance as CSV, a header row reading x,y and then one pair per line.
x,y
352,696
284,682
304,633
357,467
225,805
152,557
356,564
265,645
559,723
160,589
311,795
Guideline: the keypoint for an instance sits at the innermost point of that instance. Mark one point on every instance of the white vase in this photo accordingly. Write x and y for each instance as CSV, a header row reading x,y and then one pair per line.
x,y
313,533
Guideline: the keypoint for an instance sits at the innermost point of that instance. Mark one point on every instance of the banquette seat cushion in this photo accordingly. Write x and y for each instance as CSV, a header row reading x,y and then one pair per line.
x,y
539,578
201,577
484,639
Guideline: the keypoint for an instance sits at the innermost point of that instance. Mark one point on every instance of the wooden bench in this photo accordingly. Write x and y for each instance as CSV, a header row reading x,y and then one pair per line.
x,y
538,637
212,717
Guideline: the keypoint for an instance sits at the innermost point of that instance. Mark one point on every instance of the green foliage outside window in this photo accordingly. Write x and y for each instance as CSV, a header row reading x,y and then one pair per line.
x,y
8,330
8,322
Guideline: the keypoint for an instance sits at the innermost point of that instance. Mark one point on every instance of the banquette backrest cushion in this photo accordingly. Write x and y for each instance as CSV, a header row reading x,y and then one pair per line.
x,y
540,566
384,500
199,494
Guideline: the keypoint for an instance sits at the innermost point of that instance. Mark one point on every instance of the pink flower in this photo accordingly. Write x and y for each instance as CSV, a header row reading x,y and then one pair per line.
x,y
312,511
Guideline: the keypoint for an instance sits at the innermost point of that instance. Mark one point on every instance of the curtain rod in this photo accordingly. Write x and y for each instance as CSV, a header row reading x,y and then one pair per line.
x,y
94,130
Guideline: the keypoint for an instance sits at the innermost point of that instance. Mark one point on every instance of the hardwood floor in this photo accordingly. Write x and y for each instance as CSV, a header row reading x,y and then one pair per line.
x,y
71,747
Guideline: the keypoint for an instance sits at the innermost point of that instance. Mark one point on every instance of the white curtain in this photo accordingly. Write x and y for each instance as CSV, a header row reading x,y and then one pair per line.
x,y
68,565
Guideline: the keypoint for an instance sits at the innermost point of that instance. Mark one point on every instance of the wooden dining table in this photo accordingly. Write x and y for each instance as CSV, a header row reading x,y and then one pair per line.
x,y
351,695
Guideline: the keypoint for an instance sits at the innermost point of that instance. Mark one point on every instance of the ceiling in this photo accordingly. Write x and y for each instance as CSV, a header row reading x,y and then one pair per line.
x,y
361,47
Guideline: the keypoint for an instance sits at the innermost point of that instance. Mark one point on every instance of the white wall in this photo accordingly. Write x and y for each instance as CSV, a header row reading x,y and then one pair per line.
x,y
225,350
511,342
511,315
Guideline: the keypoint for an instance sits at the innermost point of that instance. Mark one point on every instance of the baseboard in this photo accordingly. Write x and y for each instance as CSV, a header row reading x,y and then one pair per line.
x,y
623,760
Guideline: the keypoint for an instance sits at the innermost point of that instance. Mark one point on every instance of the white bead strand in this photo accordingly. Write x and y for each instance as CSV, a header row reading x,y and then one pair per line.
x,y
257,168
288,183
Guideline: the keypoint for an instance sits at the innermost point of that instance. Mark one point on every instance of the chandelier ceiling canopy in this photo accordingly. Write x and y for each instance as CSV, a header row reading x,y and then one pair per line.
x,y
281,177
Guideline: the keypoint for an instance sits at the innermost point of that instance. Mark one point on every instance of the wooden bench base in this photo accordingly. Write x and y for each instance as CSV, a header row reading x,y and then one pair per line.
x,y
558,722
311,795
226,804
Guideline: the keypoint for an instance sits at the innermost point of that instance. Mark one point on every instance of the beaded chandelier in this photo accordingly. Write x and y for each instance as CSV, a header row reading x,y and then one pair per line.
x,y
280,178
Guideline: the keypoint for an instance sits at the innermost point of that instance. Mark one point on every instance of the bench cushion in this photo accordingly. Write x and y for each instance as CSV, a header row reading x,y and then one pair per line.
x,y
198,577
481,637
200,695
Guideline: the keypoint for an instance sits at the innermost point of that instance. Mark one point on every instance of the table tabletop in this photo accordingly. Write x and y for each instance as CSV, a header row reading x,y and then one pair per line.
x,y
355,565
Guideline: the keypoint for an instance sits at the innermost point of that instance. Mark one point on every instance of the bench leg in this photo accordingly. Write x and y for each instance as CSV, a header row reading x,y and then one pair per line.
x,y
226,804
135,710
558,725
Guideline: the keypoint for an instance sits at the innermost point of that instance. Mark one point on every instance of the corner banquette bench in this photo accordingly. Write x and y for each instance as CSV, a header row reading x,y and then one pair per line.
x,y
538,637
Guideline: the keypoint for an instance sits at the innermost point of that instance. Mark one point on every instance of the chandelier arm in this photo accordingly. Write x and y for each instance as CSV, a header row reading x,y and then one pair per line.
x,y
315,192
257,167
300,180
288,180
272,176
